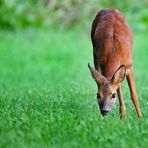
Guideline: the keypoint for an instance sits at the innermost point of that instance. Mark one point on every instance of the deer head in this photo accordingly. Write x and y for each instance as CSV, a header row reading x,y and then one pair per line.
x,y
107,88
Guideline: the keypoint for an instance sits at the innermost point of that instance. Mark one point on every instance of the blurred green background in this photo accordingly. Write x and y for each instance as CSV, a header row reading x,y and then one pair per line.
x,y
16,14
47,95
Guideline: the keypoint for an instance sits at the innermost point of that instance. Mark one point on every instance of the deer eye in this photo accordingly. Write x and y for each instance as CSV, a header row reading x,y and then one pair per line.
x,y
98,96
113,95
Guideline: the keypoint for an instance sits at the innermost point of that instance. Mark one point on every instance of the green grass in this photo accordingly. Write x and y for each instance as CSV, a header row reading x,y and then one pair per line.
x,y
48,98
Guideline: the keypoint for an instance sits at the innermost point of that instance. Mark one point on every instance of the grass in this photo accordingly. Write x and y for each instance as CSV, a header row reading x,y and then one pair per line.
x,y
48,98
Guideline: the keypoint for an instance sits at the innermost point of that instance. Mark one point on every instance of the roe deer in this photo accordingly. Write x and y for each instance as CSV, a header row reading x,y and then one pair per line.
x,y
112,50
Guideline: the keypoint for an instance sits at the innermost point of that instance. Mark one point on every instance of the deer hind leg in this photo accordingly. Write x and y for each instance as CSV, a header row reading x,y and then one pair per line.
x,y
122,109
130,80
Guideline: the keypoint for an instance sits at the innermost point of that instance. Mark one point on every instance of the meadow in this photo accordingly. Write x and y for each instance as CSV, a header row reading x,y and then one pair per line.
x,y
48,98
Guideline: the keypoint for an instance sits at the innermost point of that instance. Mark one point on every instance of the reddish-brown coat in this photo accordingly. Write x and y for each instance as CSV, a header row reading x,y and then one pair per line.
x,y
112,41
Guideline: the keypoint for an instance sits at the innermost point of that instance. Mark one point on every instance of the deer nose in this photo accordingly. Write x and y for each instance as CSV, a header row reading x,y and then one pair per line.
x,y
104,112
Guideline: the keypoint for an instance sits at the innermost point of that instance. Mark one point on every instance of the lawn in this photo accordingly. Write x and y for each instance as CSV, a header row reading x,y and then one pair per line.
x,y
48,98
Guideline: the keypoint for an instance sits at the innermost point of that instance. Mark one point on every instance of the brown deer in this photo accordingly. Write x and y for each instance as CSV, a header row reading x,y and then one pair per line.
x,y
112,41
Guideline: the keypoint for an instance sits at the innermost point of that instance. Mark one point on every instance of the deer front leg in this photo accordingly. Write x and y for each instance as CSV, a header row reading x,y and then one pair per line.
x,y
122,109
130,80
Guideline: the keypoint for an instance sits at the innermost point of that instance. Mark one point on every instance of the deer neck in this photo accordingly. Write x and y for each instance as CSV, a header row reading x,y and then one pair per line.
x,y
111,67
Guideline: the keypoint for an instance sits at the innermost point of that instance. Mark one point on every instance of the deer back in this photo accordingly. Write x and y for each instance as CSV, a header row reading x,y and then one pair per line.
x,y
112,41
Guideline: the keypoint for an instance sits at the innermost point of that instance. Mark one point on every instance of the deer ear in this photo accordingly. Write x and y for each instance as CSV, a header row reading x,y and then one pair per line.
x,y
96,75
119,74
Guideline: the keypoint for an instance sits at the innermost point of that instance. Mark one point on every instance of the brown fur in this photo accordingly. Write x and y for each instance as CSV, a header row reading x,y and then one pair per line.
x,y
112,41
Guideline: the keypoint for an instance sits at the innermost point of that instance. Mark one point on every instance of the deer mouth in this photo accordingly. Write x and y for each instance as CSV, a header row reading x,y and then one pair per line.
x,y
104,112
